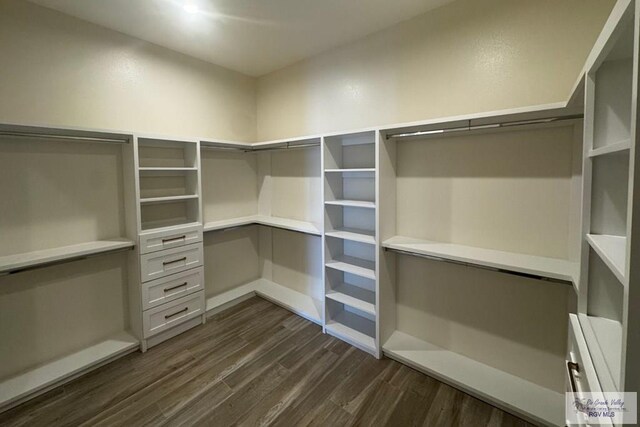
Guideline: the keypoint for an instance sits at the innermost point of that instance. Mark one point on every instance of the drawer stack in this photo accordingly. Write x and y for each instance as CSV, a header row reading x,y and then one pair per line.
x,y
172,278
168,265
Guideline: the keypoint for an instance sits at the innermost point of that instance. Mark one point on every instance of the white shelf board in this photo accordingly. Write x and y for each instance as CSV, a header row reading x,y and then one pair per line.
x,y
294,301
352,203
613,251
357,266
166,169
493,385
552,268
355,297
608,333
168,199
354,330
270,221
26,260
353,234
611,148
52,374
351,170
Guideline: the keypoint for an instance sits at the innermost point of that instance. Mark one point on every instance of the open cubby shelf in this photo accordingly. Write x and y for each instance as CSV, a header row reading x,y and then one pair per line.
x,y
354,296
350,327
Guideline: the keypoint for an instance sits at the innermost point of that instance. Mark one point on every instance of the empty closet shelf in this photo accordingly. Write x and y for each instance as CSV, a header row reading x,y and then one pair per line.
x,y
269,221
352,170
352,203
28,260
355,330
353,234
537,266
168,199
357,266
612,250
355,297
44,377
297,302
617,147
160,171
506,390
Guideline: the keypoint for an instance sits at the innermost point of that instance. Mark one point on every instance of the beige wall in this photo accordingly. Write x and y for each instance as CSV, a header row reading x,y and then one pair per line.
x,y
62,71
465,57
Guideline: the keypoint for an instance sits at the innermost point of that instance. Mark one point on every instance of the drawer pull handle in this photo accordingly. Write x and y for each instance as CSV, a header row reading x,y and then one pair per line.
x,y
573,367
173,239
184,258
176,287
169,316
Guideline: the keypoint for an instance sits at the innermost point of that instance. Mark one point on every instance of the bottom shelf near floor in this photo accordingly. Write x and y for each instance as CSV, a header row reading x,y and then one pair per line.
x,y
16,389
297,302
355,330
502,389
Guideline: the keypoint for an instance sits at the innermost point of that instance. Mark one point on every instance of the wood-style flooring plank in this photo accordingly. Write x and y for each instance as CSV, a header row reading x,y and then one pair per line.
x,y
255,364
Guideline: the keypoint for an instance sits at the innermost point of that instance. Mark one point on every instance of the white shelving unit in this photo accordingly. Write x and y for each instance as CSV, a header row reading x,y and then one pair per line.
x,y
608,280
350,238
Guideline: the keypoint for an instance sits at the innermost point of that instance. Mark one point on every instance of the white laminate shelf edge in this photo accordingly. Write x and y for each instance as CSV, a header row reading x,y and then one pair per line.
x,y
45,377
28,260
543,267
168,199
359,267
353,296
269,221
611,148
294,301
613,252
352,203
353,329
505,390
355,235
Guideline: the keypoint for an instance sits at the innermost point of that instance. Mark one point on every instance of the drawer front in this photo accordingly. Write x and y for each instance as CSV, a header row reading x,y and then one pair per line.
x,y
160,240
172,314
161,264
161,291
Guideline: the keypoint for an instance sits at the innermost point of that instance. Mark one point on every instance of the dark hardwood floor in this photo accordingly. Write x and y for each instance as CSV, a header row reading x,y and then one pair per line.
x,y
256,364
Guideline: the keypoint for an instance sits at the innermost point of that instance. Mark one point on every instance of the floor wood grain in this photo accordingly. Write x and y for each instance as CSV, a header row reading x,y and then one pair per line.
x,y
256,364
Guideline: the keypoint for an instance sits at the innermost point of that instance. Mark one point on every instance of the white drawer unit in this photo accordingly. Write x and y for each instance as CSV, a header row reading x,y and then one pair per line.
x,y
161,264
167,239
172,314
170,288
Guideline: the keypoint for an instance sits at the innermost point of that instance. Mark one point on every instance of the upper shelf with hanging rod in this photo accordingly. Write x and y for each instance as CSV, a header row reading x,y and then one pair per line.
x,y
262,146
11,131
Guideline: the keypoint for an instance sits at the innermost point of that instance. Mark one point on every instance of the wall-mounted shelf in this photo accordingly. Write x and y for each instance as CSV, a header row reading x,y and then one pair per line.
x,y
505,390
352,203
613,251
297,302
168,199
542,267
45,377
611,149
269,221
29,260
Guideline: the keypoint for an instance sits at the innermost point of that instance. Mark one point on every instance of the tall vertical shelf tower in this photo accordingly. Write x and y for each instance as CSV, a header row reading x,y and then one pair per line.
x,y
350,238
166,272
608,296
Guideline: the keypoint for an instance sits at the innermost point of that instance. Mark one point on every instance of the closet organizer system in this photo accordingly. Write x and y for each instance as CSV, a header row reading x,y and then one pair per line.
x,y
458,246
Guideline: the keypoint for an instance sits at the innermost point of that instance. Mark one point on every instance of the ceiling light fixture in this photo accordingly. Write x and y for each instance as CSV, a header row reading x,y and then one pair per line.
x,y
190,8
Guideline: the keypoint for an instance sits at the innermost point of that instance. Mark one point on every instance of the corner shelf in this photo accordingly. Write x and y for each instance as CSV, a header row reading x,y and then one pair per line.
x,y
28,260
507,391
613,251
296,302
43,378
269,221
543,267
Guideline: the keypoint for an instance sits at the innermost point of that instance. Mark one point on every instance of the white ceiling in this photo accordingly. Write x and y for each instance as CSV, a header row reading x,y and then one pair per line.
x,y
254,37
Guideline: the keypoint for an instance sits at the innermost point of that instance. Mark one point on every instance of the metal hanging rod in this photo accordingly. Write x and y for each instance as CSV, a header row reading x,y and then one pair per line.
x,y
483,267
20,134
470,127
